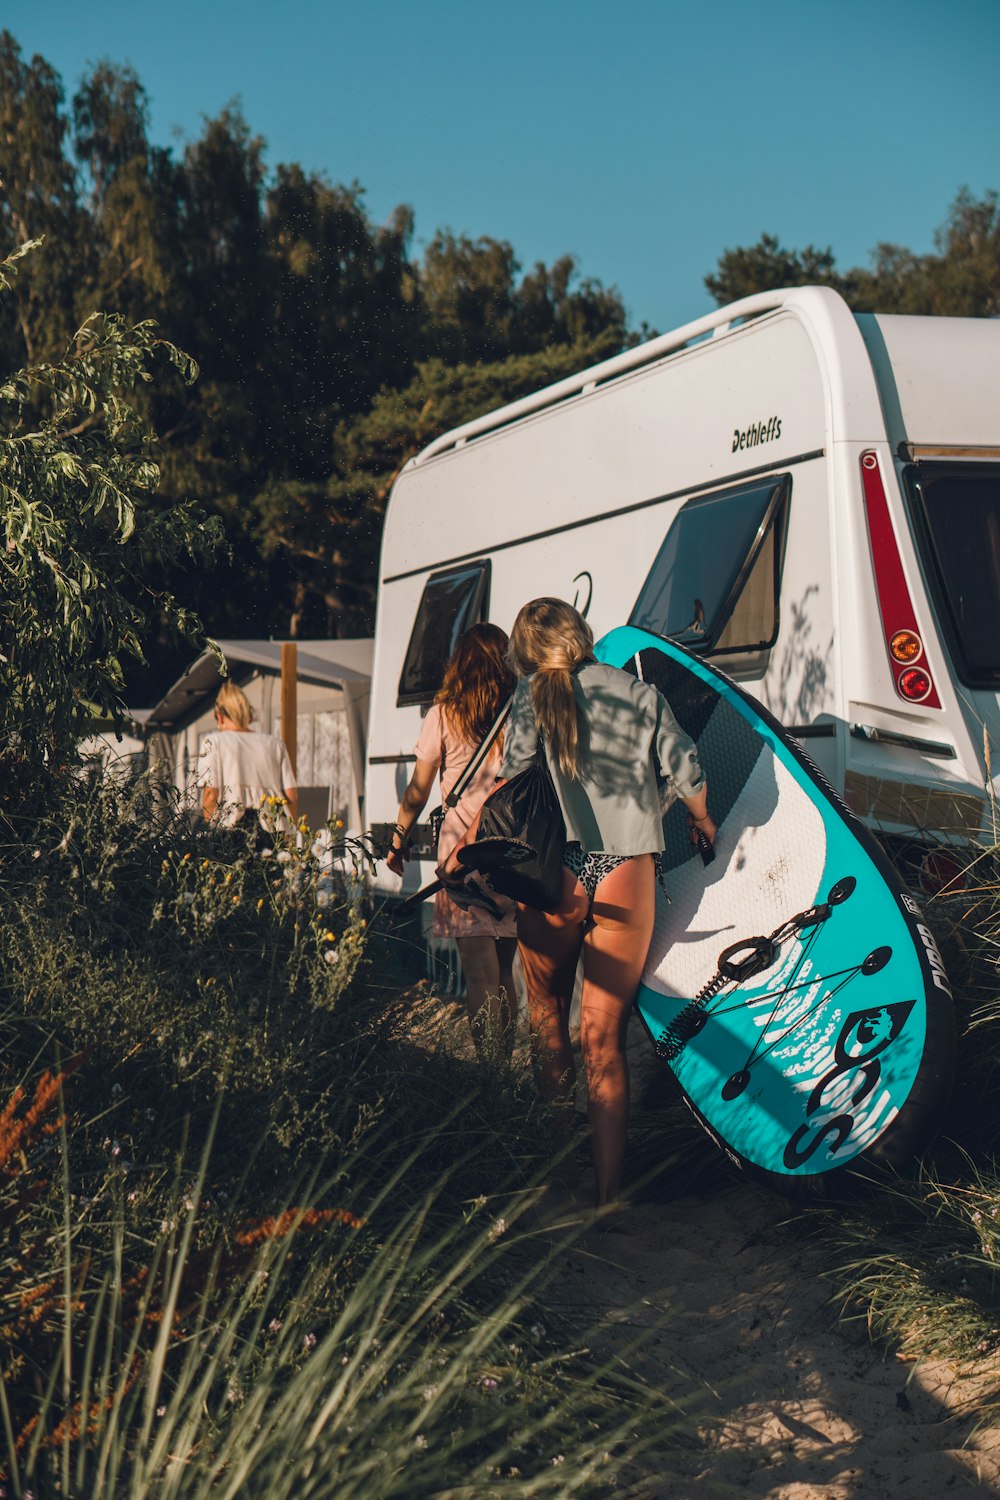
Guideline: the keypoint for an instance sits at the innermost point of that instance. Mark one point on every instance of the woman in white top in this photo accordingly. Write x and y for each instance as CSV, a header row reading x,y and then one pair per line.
x,y
240,769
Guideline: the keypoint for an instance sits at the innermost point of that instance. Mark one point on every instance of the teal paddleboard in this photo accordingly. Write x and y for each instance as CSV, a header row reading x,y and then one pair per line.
x,y
792,985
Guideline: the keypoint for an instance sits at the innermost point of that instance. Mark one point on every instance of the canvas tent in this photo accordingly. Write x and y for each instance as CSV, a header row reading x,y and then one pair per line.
x,y
334,682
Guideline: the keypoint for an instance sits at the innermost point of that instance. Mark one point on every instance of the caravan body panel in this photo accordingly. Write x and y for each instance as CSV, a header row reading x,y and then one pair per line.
x,y
572,493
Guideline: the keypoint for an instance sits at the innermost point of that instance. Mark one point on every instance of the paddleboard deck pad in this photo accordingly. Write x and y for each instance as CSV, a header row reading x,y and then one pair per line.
x,y
792,985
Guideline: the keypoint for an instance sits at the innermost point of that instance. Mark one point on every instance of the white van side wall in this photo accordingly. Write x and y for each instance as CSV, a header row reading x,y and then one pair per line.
x,y
571,493
576,500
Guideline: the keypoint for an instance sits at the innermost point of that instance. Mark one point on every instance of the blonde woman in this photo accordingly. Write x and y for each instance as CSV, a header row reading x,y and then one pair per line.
x,y
242,772
604,733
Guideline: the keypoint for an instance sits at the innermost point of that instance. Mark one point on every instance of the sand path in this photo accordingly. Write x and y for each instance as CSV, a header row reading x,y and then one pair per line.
x,y
788,1403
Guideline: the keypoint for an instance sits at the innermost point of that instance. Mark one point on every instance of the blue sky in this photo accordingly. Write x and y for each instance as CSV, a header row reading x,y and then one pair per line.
x,y
642,137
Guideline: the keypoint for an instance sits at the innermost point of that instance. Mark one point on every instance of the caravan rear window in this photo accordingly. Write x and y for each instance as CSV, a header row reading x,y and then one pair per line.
x,y
714,585
958,513
452,601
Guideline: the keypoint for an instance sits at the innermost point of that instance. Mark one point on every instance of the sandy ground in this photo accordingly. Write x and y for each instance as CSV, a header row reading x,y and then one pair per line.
x,y
733,1320
787,1403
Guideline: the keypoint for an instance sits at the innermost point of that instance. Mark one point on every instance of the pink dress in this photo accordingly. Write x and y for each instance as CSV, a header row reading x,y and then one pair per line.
x,y
442,747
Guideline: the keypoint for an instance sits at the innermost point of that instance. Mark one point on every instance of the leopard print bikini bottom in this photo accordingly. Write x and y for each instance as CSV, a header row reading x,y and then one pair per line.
x,y
590,869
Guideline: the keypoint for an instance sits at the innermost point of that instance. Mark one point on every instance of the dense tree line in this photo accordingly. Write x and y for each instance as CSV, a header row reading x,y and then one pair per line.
x,y
960,279
328,350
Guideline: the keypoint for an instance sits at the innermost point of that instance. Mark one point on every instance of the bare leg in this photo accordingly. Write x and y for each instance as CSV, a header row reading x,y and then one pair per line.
x,y
550,950
489,988
614,952
506,953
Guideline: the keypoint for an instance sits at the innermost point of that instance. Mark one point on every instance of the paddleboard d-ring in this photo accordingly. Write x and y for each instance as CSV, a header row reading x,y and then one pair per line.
x,y
841,890
876,960
733,1087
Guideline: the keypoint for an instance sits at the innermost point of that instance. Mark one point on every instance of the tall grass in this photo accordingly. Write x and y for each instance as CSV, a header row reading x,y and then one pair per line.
x,y
919,1259
254,1238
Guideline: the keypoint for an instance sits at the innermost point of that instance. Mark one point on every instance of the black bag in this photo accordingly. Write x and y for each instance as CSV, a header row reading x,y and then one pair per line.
x,y
524,814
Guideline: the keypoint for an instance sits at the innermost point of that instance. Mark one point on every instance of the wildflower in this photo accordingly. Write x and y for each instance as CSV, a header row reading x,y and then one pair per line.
x,y
309,1341
37,854
260,904
275,1325
559,1459
161,1411
489,1385
234,1393
187,857
496,1229
420,1441
283,857
330,937
167,1226
330,956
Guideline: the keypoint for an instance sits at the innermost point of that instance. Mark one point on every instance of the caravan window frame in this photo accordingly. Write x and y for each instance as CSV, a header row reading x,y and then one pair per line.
x,y
939,586
774,519
475,609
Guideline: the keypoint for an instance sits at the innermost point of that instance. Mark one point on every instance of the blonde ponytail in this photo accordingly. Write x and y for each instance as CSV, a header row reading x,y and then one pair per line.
x,y
550,639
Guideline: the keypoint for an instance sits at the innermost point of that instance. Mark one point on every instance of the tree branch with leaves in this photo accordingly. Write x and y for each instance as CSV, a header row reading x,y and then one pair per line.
x,y
83,539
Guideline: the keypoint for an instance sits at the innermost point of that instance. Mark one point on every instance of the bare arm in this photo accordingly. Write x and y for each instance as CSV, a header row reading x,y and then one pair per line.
x,y
699,818
292,798
209,803
413,803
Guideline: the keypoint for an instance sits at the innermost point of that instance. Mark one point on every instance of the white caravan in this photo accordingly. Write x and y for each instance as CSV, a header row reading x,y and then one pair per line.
x,y
808,497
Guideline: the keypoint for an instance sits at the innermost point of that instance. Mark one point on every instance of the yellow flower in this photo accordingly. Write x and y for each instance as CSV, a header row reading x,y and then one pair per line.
x,y
260,903
331,937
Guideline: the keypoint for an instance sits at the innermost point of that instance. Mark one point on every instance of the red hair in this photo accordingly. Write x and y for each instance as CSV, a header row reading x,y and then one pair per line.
x,y
477,682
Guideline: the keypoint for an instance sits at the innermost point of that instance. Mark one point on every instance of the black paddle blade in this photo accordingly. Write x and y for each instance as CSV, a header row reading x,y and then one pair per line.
x,y
486,855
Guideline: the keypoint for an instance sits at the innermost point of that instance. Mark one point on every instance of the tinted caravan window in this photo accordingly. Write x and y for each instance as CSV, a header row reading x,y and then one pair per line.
x,y
715,582
958,506
452,601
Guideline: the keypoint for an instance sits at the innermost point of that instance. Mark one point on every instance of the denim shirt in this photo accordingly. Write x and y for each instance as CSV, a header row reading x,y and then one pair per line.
x,y
627,732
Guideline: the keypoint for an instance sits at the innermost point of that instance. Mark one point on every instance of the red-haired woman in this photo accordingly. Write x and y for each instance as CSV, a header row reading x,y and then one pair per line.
x,y
477,683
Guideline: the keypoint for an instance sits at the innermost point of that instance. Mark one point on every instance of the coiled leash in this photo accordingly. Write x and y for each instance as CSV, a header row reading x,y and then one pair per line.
x,y
739,962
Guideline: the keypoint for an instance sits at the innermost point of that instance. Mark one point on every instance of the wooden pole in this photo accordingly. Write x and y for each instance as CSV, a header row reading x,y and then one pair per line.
x,y
289,683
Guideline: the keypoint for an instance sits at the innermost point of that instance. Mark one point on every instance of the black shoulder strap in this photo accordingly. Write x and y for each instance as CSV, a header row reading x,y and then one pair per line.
x,y
455,795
